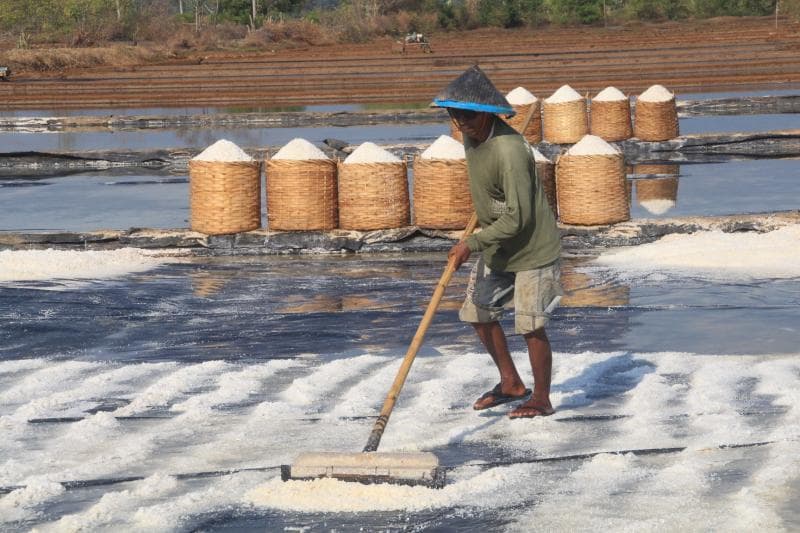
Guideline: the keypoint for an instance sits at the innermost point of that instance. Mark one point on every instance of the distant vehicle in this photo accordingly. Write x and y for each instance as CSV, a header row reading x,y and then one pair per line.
x,y
415,39
5,73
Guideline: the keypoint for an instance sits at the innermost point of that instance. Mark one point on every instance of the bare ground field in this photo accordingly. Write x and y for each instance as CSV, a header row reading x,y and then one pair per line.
x,y
725,54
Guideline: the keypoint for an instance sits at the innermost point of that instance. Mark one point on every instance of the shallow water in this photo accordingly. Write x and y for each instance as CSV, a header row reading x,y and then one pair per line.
x,y
196,379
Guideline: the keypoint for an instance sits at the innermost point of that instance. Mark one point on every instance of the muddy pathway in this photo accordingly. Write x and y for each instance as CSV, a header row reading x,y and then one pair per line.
x,y
707,56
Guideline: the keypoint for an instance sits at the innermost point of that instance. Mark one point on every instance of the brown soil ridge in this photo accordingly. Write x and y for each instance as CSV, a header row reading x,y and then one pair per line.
x,y
696,56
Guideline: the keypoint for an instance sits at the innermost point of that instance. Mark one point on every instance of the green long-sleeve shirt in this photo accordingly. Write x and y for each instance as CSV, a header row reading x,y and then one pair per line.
x,y
518,228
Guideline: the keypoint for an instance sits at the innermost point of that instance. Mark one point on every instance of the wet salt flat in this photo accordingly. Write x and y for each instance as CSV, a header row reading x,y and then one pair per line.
x,y
161,393
143,391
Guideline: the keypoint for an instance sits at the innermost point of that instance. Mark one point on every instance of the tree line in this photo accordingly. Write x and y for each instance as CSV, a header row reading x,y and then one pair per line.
x,y
85,22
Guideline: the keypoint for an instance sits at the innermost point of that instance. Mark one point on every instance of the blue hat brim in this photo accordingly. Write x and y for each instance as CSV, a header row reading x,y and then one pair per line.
x,y
473,106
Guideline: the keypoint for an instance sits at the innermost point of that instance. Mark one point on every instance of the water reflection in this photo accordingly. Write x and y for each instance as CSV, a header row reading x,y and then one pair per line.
x,y
584,290
657,187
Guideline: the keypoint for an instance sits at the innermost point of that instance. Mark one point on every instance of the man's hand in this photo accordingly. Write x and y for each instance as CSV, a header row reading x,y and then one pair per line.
x,y
458,254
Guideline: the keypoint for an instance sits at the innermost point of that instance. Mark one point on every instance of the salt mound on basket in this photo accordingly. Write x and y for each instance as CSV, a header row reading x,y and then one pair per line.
x,y
521,96
656,93
223,150
300,149
610,94
371,153
445,147
565,93
592,145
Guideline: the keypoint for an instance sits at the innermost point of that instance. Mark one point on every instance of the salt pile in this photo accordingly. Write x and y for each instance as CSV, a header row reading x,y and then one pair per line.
x,y
445,147
300,149
520,96
371,153
564,94
592,145
223,150
610,94
656,93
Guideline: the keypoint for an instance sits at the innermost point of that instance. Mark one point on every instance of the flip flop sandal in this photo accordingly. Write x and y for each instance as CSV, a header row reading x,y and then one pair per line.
x,y
499,398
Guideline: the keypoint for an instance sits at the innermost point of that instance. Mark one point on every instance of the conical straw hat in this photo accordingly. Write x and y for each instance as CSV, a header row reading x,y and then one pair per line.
x,y
474,91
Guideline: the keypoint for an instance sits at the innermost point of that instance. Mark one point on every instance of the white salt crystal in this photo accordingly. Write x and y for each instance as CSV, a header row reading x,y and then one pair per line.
x,y
520,96
445,147
371,153
538,156
565,93
300,149
592,145
658,207
656,93
610,94
223,150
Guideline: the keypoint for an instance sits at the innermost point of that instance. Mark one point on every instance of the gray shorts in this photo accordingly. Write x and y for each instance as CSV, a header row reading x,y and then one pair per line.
x,y
533,293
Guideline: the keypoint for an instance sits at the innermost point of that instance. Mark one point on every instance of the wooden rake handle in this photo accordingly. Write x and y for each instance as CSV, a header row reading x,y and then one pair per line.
x,y
380,424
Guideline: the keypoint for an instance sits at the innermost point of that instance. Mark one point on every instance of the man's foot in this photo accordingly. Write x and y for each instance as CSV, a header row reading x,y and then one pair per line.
x,y
531,409
497,397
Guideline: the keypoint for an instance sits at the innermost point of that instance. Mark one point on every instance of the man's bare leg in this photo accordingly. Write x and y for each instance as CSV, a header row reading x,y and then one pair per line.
x,y
541,357
494,340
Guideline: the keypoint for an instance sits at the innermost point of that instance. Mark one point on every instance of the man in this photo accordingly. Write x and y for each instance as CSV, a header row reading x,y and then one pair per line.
x,y
519,242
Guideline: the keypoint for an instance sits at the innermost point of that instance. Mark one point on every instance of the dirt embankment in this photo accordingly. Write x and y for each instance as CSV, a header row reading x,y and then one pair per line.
x,y
715,55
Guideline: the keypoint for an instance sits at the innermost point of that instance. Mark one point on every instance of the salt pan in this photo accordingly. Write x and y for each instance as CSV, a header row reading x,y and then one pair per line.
x,y
592,145
371,153
656,93
223,150
564,94
445,147
521,96
300,149
610,94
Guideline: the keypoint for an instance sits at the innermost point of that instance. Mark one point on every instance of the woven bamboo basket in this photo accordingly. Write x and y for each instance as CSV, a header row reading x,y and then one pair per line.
x,y
224,196
442,199
667,169
655,121
656,189
302,195
611,120
565,122
592,189
533,133
373,195
547,175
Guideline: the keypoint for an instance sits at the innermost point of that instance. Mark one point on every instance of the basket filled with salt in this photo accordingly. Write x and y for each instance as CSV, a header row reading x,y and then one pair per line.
x,y
656,117
373,190
525,103
591,184
564,116
224,190
610,116
301,189
442,199
546,172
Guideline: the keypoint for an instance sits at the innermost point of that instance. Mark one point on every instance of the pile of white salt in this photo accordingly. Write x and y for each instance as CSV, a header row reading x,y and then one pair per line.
x,y
565,93
371,153
592,145
445,147
223,150
657,206
656,93
610,94
538,156
300,149
521,96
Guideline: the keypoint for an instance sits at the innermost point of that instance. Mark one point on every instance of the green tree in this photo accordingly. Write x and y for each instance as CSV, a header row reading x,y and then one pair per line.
x,y
575,11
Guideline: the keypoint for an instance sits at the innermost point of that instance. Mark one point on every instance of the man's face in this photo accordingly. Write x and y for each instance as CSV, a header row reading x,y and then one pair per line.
x,y
475,124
